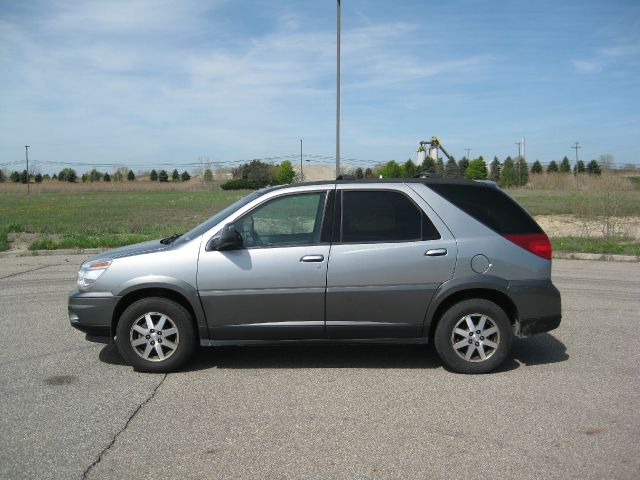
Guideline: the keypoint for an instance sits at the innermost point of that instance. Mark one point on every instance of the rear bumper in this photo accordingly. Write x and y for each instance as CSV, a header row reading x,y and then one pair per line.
x,y
539,306
92,313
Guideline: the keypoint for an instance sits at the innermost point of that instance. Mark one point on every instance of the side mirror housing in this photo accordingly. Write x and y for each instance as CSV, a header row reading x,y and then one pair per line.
x,y
229,239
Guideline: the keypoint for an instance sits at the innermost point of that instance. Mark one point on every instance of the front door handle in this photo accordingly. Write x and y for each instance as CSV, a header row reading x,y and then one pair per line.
x,y
436,252
312,258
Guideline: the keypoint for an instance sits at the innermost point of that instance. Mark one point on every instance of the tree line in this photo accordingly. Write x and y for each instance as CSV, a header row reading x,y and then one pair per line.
x,y
510,173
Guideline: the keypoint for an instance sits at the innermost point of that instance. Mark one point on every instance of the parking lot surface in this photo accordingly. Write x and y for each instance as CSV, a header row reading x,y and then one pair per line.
x,y
564,406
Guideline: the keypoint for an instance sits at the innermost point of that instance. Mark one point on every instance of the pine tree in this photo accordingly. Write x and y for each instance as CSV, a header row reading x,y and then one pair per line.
x,y
494,170
508,176
15,177
208,175
440,167
153,176
106,177
552,167
368,173
536,167
428,165
522,171
163,176
175,176
185,177
131,176
451,169
565,166
594,168
579,167
409,169
463,164
359,173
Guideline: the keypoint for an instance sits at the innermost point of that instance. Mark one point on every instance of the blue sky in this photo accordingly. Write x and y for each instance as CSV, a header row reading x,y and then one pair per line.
x,y
153,81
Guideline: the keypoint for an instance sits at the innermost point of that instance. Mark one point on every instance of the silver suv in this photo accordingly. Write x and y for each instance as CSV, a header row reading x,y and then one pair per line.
x,y
453,262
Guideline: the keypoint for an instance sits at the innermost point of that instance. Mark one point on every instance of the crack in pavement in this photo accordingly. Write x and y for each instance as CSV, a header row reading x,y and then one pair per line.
x,y
115,437
29,271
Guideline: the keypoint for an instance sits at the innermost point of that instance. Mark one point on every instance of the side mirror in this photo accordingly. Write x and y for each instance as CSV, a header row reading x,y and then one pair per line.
x,y
229,239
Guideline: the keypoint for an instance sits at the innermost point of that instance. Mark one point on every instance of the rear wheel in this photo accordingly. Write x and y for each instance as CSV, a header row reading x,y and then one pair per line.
x,y
156,335
473,336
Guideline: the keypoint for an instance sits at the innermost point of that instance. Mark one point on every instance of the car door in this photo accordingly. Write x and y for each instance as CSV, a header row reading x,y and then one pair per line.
x,y
389,255
273,287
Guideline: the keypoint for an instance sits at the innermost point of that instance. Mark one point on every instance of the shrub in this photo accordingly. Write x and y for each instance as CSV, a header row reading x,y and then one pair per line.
x,y
244,184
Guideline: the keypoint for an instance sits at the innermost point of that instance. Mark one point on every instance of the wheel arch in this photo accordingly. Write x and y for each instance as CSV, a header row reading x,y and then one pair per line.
x,y
146,291
484,292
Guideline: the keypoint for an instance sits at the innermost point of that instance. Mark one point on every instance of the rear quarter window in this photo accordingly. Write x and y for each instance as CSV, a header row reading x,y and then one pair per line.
x,y
490,206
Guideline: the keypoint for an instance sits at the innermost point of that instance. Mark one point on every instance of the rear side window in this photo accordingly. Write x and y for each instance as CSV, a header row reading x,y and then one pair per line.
x,y
490,206
383,216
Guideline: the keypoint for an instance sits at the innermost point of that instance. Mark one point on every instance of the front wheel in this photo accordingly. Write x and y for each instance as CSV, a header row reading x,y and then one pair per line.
x,y
156,335
473,336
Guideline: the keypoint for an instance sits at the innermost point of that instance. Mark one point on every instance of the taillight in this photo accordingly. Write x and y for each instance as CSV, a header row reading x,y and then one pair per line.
x,y
536,243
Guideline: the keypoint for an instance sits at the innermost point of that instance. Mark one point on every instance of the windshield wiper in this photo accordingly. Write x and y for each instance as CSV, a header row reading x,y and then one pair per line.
x,y
171,239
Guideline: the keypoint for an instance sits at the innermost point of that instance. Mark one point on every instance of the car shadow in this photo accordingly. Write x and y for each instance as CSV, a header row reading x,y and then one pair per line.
x,y
537,350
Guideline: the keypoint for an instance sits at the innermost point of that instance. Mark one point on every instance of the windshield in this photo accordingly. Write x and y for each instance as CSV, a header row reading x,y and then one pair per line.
x,y
218,217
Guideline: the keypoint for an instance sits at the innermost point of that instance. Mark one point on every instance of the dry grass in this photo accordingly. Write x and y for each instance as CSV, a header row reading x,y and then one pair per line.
x,y
54,186
568,181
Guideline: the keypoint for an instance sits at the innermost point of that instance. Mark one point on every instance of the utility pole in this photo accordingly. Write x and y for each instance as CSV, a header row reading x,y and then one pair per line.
x,y
576,147
338,93
301,174
26,152
468,150
520,145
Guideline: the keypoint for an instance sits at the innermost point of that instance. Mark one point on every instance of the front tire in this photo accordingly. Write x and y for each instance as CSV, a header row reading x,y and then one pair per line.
x,y
156,335
473,336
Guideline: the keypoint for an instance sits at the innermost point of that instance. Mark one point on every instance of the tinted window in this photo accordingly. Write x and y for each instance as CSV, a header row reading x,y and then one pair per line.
x,y
383,216
288,220
490,206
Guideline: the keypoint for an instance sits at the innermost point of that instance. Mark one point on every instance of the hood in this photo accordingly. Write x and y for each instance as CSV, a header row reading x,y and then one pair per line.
x,y
130,250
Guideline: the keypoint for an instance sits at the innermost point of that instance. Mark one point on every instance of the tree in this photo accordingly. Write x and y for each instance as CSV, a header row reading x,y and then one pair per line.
x,y
14,177
508,175
451,169
131,176
67,175
85,177
565,166
579,167
23,177
359,173
552,167
428,165
536,167
55,177
593,168
38,178
46,177
163,176
153,176
106,177
477,169
185,177
285,173
462,165
494,169
256,170
440,167
175,176
208,175
409,169
522,171
95,176
3,176
368,173
391,169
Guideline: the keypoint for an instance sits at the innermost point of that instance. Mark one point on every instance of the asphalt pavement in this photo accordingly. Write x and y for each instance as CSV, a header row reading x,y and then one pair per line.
x,y
564,406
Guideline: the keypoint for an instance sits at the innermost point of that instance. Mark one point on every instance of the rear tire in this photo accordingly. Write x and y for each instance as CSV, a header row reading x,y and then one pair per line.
x,y
473,336
156,335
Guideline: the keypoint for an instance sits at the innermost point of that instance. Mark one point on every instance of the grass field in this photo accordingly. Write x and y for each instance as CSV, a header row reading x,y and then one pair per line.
x,y
110,219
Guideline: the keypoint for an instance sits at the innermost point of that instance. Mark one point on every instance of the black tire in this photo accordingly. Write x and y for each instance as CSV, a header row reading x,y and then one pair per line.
x,y
464,353
178,345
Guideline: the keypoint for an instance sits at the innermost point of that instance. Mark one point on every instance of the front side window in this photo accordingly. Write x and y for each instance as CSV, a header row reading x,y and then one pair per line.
x,y
383,216
284,221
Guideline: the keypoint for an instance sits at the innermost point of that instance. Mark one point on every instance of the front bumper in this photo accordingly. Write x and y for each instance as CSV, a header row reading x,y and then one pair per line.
x,y
539,306
92,313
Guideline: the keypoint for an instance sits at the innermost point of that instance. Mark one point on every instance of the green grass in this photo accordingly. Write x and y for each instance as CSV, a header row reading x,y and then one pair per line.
x,y
107,219
614,245
113,219
568,202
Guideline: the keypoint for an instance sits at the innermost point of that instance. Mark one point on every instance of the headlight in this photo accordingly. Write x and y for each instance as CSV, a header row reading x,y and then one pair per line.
x,y
89,273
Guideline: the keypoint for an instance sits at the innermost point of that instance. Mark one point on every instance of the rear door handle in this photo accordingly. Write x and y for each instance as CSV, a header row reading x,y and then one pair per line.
x,y
436,252
312,258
